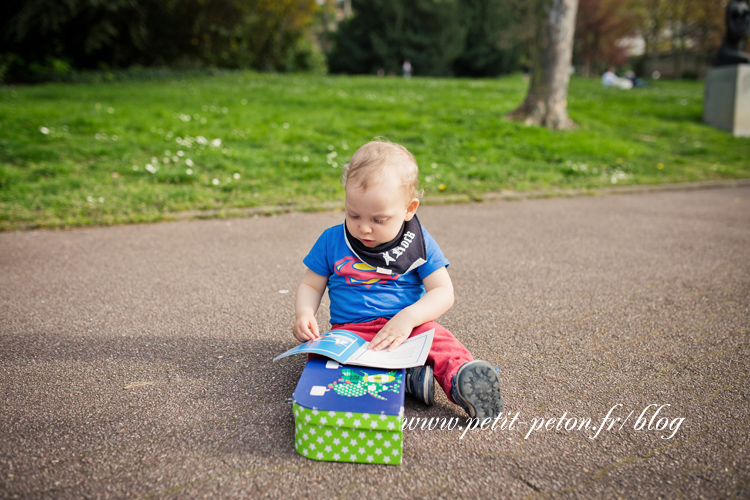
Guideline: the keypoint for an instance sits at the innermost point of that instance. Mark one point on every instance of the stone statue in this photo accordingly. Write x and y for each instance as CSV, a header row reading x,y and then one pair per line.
x,y
738,27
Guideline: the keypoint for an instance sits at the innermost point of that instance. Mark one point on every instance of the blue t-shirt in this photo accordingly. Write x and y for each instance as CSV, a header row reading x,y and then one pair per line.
x,y
358,293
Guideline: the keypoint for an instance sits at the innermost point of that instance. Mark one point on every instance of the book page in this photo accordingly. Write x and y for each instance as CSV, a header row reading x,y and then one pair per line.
x,y
335,344
413,352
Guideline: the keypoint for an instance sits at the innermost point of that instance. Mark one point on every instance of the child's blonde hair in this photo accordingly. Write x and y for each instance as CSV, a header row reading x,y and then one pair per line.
x,y
379,158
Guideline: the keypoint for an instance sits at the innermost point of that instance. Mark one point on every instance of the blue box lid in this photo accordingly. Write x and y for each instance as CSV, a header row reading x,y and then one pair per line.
x,y
326,385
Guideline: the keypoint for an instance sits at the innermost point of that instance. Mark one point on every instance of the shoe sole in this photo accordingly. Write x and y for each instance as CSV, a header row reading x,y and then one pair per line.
x,y
429,386
478,386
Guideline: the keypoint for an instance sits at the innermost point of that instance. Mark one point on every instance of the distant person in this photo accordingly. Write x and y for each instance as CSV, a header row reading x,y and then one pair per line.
x,y
610,79
407,69
388,280
637,82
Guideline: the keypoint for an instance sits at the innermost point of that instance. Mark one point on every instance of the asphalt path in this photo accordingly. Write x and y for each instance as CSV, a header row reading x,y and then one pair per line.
x,y
136,361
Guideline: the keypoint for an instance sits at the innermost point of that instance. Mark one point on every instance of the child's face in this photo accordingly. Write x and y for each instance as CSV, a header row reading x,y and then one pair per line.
x,y
375,216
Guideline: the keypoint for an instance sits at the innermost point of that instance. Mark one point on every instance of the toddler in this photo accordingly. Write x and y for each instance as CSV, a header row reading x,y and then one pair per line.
x,y
387,280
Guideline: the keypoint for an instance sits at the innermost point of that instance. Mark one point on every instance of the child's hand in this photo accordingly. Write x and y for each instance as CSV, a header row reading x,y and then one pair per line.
x,y
392,335
306,328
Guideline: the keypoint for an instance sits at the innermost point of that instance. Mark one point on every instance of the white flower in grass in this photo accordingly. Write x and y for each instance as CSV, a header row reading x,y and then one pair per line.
x,y
189,171
135,167
110,110
216,143
236,176
215,182
180,153
189,163
305,159
201,140
286,125
100,200
90,199
151,168
44,130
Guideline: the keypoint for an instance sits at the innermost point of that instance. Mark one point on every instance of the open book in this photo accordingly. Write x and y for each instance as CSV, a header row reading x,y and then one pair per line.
x,y
349,349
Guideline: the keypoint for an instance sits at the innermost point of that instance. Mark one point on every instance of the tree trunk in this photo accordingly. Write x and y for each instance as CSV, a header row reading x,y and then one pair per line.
x,y
546,103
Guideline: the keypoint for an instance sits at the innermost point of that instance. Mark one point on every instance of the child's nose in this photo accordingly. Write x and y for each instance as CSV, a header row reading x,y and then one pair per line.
x,y
365,228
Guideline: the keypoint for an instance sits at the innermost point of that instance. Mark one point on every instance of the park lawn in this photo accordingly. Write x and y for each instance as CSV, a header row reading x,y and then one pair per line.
x,y
121,152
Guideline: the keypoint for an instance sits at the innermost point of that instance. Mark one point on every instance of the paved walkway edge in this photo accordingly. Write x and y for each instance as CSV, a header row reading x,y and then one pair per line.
x,y
465,198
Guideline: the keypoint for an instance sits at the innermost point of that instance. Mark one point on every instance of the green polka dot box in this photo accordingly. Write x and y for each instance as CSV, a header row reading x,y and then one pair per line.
x,y
345,413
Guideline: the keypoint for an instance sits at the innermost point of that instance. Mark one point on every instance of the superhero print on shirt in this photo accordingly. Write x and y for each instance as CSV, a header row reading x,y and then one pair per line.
x,y
357,272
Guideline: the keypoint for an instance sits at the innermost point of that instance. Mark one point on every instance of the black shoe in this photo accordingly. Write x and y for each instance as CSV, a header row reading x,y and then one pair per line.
x,y
476,387
420,384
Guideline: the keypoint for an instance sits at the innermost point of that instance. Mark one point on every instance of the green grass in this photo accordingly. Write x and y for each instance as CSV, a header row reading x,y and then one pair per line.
x,y
77,154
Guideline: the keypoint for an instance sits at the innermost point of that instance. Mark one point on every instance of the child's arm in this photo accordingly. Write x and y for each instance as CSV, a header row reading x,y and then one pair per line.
x,y
309,293
438,298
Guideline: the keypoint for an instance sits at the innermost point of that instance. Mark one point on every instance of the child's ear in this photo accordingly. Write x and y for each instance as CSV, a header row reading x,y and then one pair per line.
x,y
411,209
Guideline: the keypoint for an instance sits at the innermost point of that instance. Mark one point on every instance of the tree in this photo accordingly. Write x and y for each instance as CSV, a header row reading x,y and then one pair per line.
x,y
440,37
84,34
546,103
492,47
678,26
383,33
600,26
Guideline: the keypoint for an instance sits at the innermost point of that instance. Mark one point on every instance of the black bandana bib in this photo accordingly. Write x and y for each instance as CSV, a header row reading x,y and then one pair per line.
x,y
399,256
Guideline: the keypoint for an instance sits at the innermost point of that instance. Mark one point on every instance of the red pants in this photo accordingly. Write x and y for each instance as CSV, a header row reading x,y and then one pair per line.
x,y
446,355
